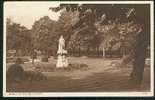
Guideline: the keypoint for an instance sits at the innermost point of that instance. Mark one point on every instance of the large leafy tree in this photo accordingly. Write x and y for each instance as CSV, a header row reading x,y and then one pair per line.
x,y
65,23
73,28
43,33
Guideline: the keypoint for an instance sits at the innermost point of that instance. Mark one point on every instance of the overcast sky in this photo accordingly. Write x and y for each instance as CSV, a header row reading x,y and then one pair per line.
x,y
26,13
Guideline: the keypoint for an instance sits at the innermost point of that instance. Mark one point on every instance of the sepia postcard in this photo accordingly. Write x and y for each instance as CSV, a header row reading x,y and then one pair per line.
x,y
78,49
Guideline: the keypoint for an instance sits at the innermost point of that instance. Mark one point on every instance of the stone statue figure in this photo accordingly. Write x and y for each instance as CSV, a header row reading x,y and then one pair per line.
x,y
61,45
62,60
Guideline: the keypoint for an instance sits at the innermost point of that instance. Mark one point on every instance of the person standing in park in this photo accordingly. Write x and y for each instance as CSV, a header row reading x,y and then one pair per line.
x,y
34,56
103,52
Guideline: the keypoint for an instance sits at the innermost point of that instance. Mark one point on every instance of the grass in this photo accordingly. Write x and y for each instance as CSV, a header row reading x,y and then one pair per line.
x,y
102,76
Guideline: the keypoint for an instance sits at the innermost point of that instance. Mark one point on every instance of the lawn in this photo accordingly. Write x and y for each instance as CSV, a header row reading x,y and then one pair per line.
x,y
102,75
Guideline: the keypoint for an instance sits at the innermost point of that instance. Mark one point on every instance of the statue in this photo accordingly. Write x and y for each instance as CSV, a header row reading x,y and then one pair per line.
x,y
62,60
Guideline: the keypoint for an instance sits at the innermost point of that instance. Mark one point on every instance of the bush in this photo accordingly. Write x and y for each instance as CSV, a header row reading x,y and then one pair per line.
x,y
14,59
44,59
83,65
77,66
10,59
15,72
34,76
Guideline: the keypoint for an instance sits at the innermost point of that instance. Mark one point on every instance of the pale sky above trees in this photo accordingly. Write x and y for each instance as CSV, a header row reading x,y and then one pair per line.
x,y
26,13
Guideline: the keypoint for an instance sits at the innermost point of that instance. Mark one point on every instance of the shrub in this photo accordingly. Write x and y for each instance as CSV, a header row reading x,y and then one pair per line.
x,y
34,76
44,59
77,66
15,72
83,65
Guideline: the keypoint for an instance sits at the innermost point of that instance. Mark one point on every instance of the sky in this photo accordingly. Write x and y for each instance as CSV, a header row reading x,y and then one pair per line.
x,y
26,13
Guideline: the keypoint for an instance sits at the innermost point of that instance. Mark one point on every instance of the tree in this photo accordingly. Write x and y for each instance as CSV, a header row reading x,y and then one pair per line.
x,y
142,42
71,18
44,36
18,37
65,23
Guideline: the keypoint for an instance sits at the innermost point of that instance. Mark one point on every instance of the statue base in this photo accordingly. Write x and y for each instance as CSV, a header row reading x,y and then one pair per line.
x,y
62,61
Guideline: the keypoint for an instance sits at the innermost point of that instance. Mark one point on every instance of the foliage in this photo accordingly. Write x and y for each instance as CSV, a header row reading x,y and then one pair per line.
x,y
15,72
83,26
16,35
43,33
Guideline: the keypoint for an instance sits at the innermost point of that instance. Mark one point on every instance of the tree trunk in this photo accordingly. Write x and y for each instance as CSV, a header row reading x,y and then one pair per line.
x,y
123,49
139,59
45,57
79,51
103,54
32,60
73,51
88,50
98,51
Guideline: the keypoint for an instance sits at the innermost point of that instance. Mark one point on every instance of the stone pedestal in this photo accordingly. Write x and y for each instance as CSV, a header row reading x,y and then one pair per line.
x,y
62,61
